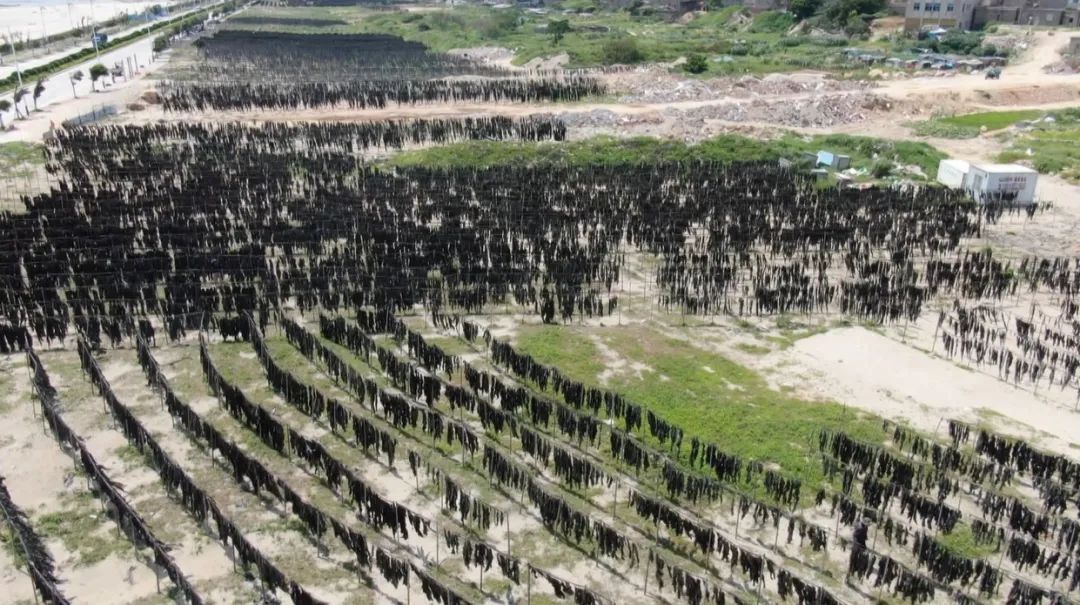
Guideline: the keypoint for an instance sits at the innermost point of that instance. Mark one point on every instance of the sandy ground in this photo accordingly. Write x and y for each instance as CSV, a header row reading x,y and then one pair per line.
x,y
857,366
41,479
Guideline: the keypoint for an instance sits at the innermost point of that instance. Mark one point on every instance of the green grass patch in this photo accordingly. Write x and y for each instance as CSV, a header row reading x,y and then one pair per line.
x,y
969,126
578,355
81,526
864,151
961,542
941,130
776,22
1050,147
11,545
128,455
451,346
306,569
237,359
18,152
19,158
708,395
993,120
9,398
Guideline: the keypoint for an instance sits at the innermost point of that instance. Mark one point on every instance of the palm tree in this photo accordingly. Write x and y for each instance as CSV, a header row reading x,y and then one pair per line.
x,y
76,76
39,89
4,106
19,96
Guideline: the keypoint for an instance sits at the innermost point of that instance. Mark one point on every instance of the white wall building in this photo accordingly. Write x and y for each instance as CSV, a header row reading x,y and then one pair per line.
x,y
987,183
953,173
1003,182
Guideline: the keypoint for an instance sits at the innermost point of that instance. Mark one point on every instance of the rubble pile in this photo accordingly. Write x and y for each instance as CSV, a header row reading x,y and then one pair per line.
x,y
653,86
1007,42
605,118
807,112
817,112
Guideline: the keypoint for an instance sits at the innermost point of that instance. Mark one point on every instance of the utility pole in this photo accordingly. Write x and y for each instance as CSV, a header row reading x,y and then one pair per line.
x,y
11,43
93,29
44,36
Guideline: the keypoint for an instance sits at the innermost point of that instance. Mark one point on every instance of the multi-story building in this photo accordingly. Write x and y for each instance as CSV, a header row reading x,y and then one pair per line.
x,y
923,14
973,14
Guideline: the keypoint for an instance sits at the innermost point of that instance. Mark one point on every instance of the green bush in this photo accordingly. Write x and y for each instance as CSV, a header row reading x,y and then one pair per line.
x,y
623,51
958,42
696,64
856,26
804,9
881,169
558,28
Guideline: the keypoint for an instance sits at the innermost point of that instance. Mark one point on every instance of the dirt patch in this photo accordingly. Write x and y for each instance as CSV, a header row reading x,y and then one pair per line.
x,y
847,365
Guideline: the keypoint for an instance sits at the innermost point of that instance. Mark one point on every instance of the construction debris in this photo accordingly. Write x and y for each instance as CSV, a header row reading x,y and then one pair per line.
x,y
655,86
812,111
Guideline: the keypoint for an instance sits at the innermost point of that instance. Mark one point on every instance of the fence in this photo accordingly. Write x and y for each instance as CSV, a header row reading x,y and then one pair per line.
x,y
99,112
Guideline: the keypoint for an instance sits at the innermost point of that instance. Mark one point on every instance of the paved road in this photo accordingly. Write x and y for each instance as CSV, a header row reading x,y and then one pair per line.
x,y
58,87
8,69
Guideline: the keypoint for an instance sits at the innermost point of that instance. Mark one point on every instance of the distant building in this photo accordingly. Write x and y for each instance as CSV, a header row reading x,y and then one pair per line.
x,y
929,14
974,14
1028,12
988,183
